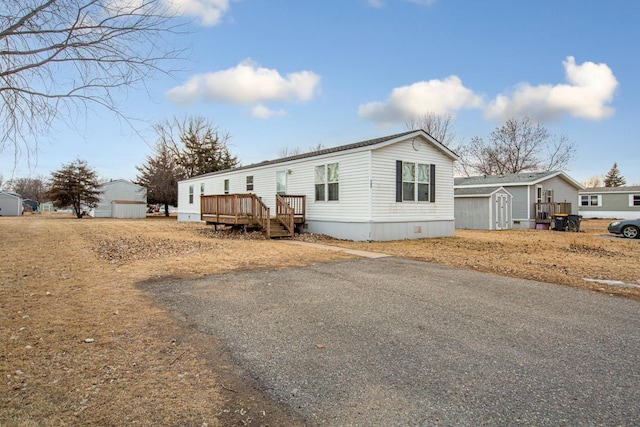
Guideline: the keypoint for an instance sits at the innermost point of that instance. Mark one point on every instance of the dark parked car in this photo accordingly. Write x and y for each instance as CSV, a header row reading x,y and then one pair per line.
x,y
629,228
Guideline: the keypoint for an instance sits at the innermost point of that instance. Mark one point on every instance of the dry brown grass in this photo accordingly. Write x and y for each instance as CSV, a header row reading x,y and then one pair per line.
x,y
563,258
67,281
81,345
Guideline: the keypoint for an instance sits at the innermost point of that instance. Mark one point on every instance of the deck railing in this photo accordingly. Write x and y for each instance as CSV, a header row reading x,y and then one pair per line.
x,y
545,211
285,214
299,205
240,208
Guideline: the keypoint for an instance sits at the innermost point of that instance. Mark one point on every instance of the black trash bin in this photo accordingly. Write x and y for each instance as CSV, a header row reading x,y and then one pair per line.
x,y
560,222
573,222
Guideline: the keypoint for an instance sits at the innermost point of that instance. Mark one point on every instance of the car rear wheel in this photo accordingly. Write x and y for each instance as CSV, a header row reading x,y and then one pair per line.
x,y
630,232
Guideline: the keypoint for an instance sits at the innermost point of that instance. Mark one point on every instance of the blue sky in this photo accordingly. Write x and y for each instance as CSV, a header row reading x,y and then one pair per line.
x,y
297,73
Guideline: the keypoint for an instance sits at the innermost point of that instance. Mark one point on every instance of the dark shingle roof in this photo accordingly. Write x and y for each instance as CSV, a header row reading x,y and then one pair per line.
x,y
325,151
629,189
475,191
506,179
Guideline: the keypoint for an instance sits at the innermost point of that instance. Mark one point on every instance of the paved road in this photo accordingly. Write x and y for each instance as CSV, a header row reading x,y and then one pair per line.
x,y
397,342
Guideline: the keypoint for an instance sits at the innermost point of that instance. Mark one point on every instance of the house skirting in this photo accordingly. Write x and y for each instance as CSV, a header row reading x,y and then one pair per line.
x,y
382,231
611,214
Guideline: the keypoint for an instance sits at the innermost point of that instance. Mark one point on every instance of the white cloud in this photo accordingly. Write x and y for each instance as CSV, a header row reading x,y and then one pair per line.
x,y
433,96
261,112
590,88
246,84
375,3
209,11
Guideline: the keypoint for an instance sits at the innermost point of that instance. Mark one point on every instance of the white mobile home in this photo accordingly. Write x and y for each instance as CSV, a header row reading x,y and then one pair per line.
x,y
395,187
121,199
10,204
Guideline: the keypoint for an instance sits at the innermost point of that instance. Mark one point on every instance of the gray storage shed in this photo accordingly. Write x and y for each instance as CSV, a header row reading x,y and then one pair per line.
x,y
10,204
483,208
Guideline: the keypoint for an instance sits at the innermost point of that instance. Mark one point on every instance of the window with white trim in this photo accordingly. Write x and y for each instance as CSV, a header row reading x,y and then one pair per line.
x,y
250,183
415,182
226,186
202,188
327,183
634,199
191,194
590,200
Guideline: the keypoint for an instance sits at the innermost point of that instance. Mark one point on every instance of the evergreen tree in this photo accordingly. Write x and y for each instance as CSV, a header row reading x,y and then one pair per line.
x,y
160,175
613,178
75,185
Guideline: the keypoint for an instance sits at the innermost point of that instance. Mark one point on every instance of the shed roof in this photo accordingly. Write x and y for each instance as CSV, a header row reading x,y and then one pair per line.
x,y
368,143
513,179
478,191
10,194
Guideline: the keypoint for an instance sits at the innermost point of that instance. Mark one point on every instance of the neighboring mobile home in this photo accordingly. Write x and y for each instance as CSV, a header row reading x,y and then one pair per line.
x,y
610,202
396,187
10,204
537,196
121,199
483,208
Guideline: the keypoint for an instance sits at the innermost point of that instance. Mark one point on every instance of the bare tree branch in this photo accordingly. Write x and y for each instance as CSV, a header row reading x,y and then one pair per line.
x,y
60,57
518,145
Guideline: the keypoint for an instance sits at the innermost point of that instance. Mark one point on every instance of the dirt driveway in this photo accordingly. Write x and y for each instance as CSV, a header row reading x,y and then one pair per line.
x,y
398,342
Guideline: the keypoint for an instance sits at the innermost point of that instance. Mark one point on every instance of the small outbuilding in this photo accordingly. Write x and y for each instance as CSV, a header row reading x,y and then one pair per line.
x,y
121,199
483,208
10,204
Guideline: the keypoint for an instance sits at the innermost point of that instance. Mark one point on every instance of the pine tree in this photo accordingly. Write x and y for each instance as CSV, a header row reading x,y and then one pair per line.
x,y
613,178
75,185
160,175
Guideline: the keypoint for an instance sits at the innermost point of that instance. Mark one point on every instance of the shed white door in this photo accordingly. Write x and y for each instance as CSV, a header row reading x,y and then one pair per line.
x,y
501,212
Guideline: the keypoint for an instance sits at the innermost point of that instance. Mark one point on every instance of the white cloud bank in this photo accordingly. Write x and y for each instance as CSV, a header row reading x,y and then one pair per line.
x,y
590,88
247,84
208,11
587,94
409,102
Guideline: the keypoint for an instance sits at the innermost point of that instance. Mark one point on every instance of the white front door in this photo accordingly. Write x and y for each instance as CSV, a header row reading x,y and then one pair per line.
x,y
281,182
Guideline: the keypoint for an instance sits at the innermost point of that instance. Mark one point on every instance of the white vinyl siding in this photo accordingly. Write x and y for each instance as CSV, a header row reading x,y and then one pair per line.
x,y
383,184
363,184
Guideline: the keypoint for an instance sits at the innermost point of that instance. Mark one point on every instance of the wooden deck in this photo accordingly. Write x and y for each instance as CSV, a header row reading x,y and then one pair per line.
x,y
249,211
546,211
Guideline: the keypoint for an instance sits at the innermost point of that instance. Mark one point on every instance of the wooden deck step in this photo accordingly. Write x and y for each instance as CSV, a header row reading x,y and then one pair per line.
x,y
277,229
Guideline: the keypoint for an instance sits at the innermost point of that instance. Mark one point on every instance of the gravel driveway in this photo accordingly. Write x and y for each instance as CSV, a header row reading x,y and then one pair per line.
x,y
397,342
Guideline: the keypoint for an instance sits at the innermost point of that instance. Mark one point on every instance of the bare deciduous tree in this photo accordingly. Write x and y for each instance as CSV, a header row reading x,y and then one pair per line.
x,y
30,188
593,182
439,126
517,146
196,145
60,58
